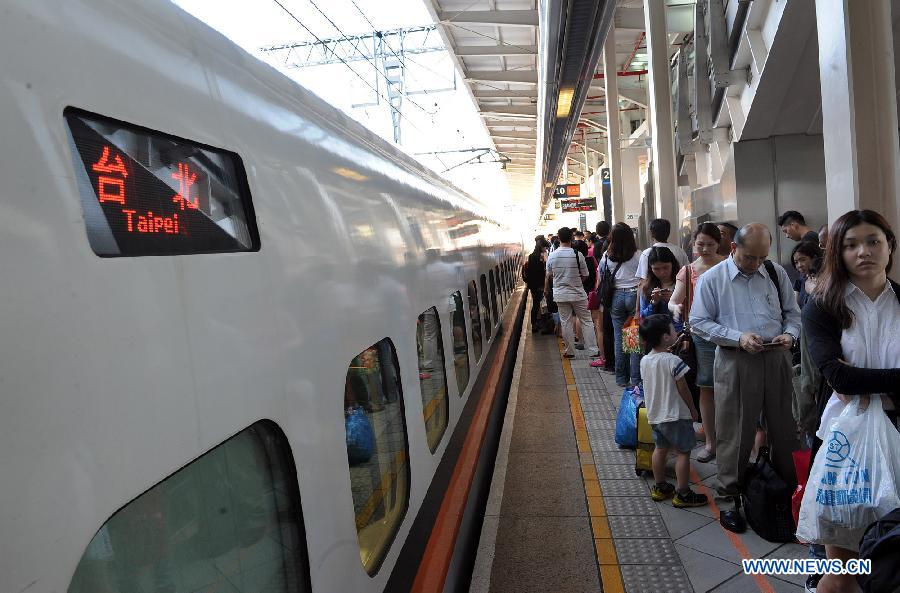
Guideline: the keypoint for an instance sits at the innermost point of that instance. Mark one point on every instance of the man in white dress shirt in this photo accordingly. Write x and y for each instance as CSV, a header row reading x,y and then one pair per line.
x,y
754,320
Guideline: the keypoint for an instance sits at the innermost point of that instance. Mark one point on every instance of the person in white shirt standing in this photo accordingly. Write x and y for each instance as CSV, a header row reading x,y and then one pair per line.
x,y
745,305
670,411
566,268
659,230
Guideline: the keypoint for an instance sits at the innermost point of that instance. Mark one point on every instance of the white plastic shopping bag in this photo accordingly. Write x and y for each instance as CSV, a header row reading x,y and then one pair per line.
x,y
853,480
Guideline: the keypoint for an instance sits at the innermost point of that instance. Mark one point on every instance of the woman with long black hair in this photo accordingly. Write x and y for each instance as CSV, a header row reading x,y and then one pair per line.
x,y
851,323
622,259
660,283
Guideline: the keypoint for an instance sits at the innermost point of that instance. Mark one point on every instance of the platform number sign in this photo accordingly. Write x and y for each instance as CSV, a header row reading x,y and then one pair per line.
x,y
569,190
148,193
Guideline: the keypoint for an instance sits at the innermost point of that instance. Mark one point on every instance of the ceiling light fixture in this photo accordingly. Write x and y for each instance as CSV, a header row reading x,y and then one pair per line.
x,y
564,102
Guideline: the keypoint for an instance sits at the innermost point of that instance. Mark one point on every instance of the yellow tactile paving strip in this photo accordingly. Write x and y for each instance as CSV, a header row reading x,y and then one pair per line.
x,y
607,561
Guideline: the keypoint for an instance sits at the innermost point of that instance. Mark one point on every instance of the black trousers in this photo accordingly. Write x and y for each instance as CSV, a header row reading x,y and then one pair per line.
x,y
536,296
609,342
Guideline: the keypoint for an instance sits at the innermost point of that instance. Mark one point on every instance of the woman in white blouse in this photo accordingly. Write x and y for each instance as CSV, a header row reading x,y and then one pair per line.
x,y
622,259
851,325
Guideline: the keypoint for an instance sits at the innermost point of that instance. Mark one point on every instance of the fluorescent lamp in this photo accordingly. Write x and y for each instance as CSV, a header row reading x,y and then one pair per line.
x,y
564,102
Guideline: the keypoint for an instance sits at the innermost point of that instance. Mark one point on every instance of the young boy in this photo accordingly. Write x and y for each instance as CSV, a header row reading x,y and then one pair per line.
x,y
670,411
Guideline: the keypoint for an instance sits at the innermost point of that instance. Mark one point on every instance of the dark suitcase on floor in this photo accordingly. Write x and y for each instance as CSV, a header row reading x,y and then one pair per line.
x,y
645,445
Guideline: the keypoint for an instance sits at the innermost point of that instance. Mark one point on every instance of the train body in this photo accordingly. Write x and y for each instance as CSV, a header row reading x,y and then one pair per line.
x,y
149,388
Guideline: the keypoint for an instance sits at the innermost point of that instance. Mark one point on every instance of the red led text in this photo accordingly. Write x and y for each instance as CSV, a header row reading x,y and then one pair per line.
x,y
185,180
151,223
110,187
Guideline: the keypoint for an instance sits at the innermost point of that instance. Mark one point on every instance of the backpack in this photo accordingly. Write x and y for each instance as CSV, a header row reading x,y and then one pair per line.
x,y
607,286
534,272
767,501
881,545
591,279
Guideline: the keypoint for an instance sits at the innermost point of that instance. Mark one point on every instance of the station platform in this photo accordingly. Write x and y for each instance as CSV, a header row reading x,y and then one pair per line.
x,y
567,512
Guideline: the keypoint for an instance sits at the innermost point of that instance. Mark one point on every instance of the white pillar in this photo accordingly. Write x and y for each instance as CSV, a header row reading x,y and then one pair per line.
x,y
859,108
665,181
631,184
614,159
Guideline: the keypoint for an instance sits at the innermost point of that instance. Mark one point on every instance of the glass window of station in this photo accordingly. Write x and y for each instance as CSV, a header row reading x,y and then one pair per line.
x,y
475,318
377,450
229,521
432,376
460,342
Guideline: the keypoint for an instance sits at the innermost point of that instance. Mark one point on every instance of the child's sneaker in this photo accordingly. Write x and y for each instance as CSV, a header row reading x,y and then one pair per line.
x,y
688,498
660,492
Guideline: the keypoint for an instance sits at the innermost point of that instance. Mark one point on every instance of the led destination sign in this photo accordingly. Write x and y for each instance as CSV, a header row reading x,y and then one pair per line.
x,y
579,205
147,193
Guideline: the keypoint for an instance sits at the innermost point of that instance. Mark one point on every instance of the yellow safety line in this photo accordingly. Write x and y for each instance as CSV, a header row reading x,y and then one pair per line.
x,y
378,493
607,560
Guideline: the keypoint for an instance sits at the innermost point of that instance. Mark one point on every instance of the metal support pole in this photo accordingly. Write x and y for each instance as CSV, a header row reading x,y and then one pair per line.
x,y
613,131
665,181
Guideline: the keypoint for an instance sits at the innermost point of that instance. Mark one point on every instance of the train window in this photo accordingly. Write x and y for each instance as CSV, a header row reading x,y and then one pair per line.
x,y
376,450
460,343
475,318
506,279
494,295
432,376
485,308
148,193
229,521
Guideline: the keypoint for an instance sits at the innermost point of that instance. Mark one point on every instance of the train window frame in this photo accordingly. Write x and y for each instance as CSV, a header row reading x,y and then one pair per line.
x,y
96,224
486,313
475,322
493,283
458,313
380,551
273,453
438,362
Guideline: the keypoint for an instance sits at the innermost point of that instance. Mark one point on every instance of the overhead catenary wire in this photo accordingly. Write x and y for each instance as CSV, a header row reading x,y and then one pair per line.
x,y
441,76
366,82
356,47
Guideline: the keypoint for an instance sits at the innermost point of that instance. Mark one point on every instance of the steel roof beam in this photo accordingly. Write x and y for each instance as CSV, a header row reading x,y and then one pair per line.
x,y
510,109
524,18
516,76
495,50
503,94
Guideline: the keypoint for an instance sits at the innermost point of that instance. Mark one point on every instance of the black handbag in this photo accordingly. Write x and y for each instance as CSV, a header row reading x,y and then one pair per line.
x,y
881,545
607,286
767,501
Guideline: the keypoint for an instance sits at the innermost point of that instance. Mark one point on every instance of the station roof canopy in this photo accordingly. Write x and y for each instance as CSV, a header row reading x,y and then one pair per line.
x,y
572,37
494,44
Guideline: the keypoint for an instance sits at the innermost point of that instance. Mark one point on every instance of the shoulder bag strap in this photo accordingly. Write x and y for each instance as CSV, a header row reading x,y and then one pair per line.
x,y
773,276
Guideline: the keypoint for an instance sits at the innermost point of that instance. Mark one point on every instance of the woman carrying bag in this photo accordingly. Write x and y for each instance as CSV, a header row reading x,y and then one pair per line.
x,y
851,323
622,259
706,244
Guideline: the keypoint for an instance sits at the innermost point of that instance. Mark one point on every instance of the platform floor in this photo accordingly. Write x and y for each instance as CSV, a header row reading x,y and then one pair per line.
x,y
568,514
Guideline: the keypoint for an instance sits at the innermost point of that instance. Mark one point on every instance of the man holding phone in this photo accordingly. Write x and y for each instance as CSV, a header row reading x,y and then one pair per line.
x,y
745,305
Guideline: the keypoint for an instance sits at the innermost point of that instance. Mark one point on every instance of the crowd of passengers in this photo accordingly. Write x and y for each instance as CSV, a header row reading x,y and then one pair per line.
x,y
767,373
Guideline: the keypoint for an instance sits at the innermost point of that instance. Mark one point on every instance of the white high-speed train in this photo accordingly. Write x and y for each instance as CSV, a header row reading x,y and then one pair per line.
x,y
247,346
